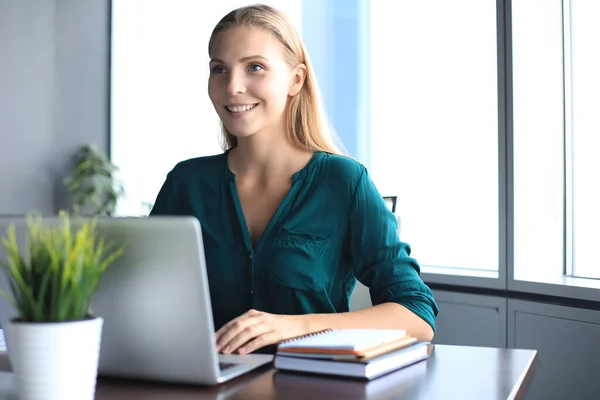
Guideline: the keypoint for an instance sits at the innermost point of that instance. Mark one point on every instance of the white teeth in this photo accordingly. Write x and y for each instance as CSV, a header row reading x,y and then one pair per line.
x,y
247,107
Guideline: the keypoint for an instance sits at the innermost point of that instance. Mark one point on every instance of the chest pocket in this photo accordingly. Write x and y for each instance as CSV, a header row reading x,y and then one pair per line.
x,y
300,261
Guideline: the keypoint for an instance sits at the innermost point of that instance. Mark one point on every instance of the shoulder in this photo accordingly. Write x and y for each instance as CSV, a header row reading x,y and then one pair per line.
x,y
338,177
342,168
198,166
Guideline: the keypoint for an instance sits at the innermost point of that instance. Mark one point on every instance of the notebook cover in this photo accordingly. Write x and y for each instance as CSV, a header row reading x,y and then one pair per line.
x,y
357,342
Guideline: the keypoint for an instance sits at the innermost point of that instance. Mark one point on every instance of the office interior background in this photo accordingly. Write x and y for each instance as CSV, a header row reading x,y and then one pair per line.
x,y
481,116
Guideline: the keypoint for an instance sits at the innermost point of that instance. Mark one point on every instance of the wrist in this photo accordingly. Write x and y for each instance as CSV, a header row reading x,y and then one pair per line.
x,y
310,323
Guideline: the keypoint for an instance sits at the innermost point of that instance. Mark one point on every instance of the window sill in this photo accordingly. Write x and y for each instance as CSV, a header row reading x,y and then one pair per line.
x,y
462,277
473,273
561,286
558,286
569,281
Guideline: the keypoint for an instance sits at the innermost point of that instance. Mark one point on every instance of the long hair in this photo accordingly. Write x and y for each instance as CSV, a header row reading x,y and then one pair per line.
x,y
307,125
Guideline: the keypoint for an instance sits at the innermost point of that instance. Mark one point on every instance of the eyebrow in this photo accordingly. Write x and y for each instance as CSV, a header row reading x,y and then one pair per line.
x,y
243,59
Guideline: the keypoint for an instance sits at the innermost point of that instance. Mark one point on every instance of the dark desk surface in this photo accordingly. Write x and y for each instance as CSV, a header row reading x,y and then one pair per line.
x,y
451,372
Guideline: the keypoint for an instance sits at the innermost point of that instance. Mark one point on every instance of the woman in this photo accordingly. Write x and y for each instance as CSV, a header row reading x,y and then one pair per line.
x,y
288,223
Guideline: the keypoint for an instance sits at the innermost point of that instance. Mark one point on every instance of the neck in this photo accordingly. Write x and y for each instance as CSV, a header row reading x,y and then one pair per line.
x,y
263,156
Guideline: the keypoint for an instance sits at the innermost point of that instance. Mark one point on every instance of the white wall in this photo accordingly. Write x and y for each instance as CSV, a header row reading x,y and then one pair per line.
x,y
54,96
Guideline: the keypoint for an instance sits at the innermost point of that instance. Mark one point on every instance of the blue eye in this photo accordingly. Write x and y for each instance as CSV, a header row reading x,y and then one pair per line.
x,y
218,70
256,67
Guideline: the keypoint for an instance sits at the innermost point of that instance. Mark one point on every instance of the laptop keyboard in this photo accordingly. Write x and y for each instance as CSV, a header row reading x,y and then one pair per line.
x,y
223,365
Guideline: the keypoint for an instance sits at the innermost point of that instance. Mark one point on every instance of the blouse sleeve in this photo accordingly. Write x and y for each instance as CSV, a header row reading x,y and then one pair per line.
x,y
381,261
166,200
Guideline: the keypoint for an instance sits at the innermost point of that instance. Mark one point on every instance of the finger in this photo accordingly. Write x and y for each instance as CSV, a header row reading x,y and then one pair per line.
x,y
228,325
244,336
235,327
225,328
260,341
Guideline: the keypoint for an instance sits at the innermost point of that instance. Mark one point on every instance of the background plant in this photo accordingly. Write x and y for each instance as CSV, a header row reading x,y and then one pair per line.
x,y
93,181
54,277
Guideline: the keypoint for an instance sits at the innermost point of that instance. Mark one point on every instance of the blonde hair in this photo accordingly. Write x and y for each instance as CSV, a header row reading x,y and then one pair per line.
x,y
307,125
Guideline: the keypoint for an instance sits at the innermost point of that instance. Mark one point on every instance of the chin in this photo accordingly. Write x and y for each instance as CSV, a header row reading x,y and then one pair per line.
x,y
241,131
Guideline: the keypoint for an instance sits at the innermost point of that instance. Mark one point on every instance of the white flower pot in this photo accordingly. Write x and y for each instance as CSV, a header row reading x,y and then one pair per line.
x,y
55,361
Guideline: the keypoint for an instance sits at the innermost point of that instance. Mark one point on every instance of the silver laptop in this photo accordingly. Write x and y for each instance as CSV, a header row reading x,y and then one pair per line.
x,y
155,303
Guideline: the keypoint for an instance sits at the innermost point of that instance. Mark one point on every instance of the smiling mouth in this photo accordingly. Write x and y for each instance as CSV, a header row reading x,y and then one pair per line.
x,y
239,109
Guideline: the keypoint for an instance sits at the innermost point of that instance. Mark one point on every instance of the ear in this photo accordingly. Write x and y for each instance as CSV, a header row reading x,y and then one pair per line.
x,y
298,76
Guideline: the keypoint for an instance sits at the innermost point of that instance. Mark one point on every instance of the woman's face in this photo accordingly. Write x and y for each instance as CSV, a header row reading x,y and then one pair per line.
x,y
250,81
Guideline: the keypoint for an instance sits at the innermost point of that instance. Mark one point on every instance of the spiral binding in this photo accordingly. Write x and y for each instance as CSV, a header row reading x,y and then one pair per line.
x,y
296,338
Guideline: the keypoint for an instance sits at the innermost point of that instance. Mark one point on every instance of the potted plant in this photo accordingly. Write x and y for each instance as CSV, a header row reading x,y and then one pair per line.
x,y
92,183
53,275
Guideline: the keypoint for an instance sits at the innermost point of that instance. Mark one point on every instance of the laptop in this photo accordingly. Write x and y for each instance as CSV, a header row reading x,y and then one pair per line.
x,y
155,302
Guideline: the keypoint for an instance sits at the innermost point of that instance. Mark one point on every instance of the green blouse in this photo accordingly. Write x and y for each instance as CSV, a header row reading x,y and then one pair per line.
x,y
332,228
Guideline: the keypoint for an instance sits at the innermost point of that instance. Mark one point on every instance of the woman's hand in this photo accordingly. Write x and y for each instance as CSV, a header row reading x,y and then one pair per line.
x,y
255,329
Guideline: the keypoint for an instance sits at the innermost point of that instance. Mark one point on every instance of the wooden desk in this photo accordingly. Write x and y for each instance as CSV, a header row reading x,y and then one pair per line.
x,y
451,372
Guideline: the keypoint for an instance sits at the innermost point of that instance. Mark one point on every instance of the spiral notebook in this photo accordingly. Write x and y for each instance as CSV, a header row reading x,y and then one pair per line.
x,y
347,342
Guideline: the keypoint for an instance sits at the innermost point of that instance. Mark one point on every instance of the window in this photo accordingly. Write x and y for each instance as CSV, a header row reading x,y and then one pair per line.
x,y
538,138
411,88
583,135
419,77
556,125
434,126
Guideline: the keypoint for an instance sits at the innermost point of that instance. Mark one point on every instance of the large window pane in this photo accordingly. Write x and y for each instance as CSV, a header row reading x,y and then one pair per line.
x,y
585,109
435,126
538,138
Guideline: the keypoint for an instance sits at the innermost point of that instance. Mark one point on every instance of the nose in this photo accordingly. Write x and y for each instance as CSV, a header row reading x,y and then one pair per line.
x,y
235,84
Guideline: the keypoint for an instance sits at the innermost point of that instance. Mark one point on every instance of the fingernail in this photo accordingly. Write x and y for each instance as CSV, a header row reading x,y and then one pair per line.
x,y
242,350
227,349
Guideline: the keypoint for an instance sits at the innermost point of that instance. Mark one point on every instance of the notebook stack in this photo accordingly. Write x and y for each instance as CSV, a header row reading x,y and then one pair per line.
x,y
361,353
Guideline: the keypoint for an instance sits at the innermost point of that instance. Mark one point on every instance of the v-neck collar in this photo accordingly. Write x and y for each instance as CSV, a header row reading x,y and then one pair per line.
x,y
297,178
